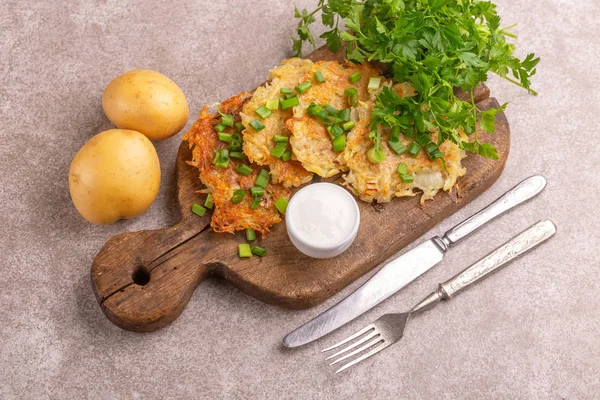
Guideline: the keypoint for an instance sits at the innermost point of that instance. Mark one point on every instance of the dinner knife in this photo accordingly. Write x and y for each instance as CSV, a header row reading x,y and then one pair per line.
x,y
399,272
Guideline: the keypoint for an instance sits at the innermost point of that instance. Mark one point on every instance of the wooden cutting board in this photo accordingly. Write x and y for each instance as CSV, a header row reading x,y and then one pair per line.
x,y
143,280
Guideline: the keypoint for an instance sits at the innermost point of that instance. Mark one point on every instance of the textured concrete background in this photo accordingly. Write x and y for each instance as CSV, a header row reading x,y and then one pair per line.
x,y
531,331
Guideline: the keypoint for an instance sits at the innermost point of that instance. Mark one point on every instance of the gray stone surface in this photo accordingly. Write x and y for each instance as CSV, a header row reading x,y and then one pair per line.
x,y
532,331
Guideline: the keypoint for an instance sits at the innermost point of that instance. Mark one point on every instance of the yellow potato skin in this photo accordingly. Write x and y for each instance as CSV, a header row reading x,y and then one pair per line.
x,y
146,101
115,175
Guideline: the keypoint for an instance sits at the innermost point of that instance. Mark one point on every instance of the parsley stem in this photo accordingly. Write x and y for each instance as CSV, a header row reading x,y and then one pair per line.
x,y
530,90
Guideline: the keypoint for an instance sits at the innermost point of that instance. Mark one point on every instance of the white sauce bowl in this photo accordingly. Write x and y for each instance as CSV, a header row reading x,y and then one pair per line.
x,y
322,220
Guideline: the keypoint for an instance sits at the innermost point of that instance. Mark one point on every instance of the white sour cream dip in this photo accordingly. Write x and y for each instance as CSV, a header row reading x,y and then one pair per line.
x,y
322,220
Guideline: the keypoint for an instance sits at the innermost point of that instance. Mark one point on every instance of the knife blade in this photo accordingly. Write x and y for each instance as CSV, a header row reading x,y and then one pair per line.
x,y
399,272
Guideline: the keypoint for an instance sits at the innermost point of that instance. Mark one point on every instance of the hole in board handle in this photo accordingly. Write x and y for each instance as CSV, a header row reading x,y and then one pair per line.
x,y
141,276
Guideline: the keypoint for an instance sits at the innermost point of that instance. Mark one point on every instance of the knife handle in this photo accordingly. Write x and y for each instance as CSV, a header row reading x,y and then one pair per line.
x,y
515,247
524,191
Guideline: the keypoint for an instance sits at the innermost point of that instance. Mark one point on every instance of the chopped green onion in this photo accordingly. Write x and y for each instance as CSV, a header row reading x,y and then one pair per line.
x,y
303,87
281,205
220,127
406,178
221,158
280,139
279,149
289,103
414,149
257,191
319,77
287,156
374,83
348,125
226,119
285,91
225,137
250,234
259,251
433,151
263,178
322,114
272,104
397,147
355,77
244,169
331,119
335,130
402,168
256,203
257,125
376,155
263,112
351,95
339,143
235,146
345,114
331,110
314,110
239,126
209,203
395,133
237,154
236,136
244,250
289,96
198,209
238,196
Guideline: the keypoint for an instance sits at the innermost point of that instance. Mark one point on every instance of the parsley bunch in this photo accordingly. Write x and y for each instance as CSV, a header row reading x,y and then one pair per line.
x,y
436,46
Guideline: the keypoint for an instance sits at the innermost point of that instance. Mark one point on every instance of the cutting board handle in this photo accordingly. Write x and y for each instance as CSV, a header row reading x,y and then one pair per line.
x,y
143,280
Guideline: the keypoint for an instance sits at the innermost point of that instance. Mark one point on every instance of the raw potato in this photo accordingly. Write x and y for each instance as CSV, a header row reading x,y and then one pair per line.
x,y
146,101
115,175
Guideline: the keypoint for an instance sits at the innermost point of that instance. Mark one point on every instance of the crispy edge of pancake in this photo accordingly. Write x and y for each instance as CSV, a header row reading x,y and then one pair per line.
x,y
221,182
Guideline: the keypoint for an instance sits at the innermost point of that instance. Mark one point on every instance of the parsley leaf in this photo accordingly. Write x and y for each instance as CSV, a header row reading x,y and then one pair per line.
x,y
436,45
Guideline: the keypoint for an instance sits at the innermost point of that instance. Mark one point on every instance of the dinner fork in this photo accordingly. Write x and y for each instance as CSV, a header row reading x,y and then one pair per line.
x,y
389,328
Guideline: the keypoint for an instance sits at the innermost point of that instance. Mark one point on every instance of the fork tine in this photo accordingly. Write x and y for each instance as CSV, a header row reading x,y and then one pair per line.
x,y
353,345
369,354
349,338
366,346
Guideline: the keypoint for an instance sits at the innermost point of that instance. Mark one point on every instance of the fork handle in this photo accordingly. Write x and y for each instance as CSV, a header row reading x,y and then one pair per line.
x,y
497,259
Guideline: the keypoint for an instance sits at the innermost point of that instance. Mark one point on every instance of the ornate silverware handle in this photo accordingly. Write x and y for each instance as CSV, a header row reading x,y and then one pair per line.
x,y
524,191
515,247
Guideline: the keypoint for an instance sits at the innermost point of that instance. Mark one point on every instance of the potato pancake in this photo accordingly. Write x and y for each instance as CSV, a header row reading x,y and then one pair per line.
x,y
310,141
381,181
259,144
222,182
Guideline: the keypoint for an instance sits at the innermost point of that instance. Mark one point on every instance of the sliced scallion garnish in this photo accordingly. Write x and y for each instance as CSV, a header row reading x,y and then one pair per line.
x,y
281,205
259,251
263,112
263,178
257,125
244,169
355,77
238,196
198,209
244,250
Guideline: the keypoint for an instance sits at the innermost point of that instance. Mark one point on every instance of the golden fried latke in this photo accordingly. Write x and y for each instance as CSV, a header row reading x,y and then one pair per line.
x,y
381,181
258,145
222,182
310,141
